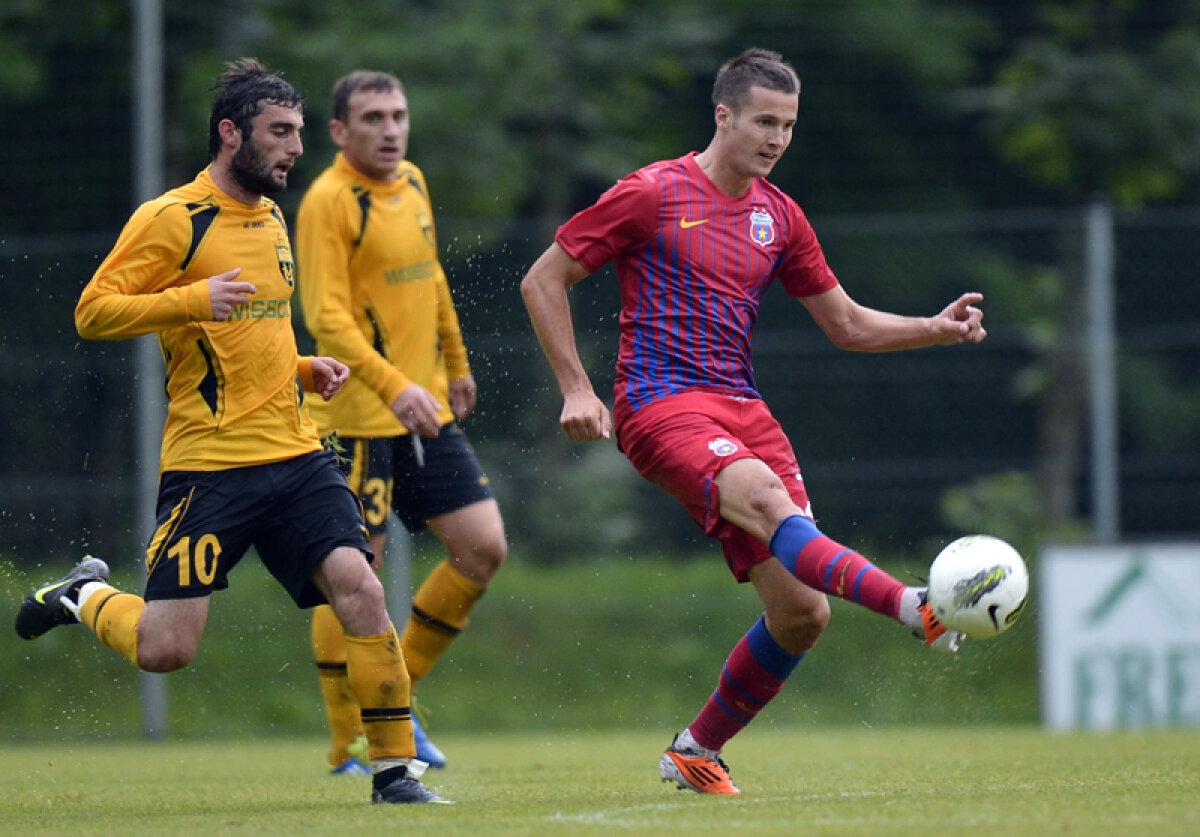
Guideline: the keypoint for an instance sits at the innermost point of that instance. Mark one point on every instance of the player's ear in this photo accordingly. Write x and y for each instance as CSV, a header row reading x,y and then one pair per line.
x,y
338,132
230,134
723,116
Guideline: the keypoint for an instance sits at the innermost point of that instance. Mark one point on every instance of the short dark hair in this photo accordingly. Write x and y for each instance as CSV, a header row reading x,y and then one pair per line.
x,y
241,91
753,68
348,85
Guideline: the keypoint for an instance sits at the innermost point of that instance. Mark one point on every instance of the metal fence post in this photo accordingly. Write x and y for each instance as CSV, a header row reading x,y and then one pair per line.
x,y
148,367
1098,276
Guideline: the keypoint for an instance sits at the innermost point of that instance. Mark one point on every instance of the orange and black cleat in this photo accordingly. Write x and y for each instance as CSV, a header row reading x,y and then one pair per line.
x,y
696,769
936,635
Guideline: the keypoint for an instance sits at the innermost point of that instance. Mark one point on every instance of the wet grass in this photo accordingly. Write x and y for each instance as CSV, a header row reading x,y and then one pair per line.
x,y
853,781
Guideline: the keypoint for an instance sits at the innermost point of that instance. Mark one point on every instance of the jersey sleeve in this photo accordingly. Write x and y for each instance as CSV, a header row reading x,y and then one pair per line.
x,y
324,242
450,339
454,350
804,271
133,292
623,217
304,373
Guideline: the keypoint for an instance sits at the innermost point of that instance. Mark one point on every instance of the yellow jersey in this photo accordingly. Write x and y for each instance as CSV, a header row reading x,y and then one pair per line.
x,y
234,386
375,297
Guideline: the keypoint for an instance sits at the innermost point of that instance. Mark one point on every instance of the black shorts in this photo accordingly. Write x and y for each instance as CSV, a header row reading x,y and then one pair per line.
x,y
367,464
445,477
293,513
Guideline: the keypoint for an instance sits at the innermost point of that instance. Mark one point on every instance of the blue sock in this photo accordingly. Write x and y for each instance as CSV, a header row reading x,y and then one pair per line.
x,y
793,534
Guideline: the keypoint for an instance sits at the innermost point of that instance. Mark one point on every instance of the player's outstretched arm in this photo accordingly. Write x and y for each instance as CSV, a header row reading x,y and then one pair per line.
x,y
544,289
858,328
962,321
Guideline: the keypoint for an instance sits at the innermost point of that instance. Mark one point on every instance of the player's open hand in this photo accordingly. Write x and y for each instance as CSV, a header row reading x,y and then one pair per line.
x,y
328,376
961,321
463,393
225,293
418,410
585,418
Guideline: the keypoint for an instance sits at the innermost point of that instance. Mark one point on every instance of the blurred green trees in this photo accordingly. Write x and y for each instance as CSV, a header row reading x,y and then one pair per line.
x,y
525,112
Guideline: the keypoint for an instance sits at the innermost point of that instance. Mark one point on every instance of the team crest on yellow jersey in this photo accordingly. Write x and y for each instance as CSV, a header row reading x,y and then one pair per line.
x,y
762,227
283,254
426,222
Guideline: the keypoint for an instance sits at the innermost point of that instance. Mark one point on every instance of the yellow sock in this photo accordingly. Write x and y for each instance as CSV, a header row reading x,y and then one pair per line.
x,y
341,706
439,613
380,681
113,616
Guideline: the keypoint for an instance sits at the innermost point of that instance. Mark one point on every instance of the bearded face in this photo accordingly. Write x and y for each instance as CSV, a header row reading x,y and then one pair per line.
x,y
254,171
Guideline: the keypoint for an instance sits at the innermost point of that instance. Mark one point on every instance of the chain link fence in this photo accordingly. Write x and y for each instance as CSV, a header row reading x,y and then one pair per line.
x,y
881,438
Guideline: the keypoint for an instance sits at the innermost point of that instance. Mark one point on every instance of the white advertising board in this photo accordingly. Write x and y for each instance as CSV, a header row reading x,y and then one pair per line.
x,y
1119,636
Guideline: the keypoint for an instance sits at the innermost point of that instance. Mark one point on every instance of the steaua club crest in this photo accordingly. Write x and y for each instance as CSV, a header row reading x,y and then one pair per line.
x,y
722,447
762,227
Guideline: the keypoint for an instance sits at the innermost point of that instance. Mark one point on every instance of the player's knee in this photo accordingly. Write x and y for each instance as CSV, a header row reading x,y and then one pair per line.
x,y
767,501
803,622
363,592
360,605
162,657
755,489
818,615
491,555
480,561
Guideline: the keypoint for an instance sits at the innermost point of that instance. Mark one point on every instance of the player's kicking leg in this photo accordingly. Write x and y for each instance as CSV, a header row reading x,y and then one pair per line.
x,y
931,631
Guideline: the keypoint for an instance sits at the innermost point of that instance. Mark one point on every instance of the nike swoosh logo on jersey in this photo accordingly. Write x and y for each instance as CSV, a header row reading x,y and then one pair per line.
x,y
684,223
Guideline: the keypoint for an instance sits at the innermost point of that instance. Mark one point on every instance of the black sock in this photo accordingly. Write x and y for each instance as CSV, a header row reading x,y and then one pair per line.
x,y
384,778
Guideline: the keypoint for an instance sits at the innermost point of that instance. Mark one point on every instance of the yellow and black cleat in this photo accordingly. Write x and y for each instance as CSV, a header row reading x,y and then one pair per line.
x,y
46,607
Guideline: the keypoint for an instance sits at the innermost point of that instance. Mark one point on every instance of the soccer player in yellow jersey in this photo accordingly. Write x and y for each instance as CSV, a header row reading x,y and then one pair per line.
x,y
208,267
375,297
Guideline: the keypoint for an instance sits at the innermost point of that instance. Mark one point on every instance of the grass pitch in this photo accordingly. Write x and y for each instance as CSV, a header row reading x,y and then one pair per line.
x,y
858,781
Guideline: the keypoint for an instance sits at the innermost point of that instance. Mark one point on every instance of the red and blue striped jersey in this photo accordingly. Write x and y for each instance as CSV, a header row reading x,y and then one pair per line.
x,y
693,265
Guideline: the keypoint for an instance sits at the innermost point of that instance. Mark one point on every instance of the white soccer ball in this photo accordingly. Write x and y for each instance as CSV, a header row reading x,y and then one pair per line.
x,y
978,585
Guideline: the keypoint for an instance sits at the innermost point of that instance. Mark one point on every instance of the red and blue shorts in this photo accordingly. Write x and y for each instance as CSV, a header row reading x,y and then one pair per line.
x,y
682,442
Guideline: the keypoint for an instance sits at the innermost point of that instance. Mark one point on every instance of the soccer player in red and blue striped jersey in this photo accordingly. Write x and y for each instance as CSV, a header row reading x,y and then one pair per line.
x,y
696,242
